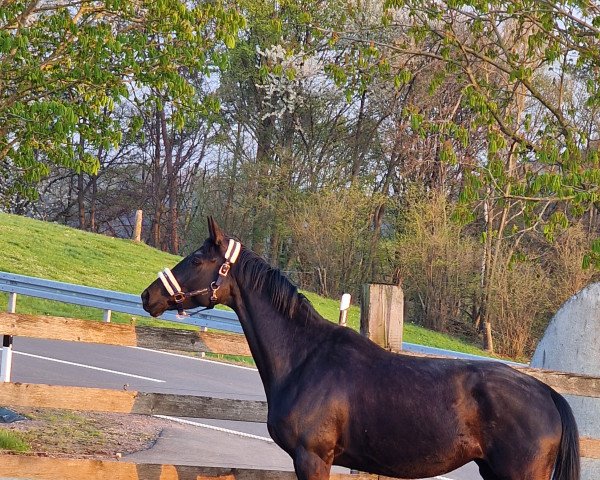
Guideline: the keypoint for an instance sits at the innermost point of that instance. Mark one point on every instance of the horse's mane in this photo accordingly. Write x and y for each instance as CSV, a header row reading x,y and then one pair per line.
x,y
258,275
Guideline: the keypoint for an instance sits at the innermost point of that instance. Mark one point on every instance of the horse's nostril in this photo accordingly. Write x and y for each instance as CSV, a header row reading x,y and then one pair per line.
x,y
145,296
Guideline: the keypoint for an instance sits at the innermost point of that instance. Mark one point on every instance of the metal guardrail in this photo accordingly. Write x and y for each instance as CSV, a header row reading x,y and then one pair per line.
x,y
423,349
109,300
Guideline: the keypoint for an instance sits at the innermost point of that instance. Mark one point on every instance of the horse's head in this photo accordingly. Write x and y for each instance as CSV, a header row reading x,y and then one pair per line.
x,y
199,280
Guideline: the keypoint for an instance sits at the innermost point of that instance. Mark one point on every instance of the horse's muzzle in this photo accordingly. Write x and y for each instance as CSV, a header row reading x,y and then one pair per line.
x,y
156,309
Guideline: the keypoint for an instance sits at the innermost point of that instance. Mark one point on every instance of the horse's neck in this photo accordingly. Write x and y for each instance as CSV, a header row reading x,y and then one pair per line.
x,y
278,343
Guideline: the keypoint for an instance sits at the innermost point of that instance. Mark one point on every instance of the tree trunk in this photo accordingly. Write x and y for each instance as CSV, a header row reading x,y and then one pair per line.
x,y
81,189
356,153
81,200
228,211
283,185
156,184
264,154
380,208
486,281
94,195
93,204
172,187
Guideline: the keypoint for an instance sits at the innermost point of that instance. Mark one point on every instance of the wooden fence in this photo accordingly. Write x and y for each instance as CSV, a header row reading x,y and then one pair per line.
x,y
74,469
104,400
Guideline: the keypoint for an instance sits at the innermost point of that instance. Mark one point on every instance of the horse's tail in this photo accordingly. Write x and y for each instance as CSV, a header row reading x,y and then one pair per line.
x,y
567,466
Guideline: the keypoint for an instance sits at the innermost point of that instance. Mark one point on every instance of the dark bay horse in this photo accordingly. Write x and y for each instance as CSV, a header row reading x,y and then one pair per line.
x,y
334,397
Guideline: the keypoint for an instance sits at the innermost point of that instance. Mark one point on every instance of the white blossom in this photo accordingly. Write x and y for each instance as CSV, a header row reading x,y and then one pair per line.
x,y
282,93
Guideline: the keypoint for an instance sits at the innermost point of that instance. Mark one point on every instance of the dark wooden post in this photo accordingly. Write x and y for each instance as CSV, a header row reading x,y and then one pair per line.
x,y
382,314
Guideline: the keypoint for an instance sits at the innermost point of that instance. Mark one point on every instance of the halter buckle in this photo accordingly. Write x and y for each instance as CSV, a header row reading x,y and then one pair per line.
x,y
179,297
224,270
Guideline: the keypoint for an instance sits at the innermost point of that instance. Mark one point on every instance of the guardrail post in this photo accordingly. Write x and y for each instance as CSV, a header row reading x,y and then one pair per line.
x,y
7,341
107,314
344,306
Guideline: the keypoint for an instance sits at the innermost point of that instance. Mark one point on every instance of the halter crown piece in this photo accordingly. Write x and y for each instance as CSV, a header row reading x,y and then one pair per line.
x,y
174,289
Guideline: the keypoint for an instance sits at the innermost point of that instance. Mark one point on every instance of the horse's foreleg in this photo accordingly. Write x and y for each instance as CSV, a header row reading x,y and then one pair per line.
x,y
310,466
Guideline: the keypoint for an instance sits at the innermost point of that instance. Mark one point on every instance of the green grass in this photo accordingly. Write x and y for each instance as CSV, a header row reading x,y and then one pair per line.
x,y
13,442
421,336
47,250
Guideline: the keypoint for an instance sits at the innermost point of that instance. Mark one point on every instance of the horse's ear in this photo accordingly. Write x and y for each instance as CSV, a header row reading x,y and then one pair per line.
x,y
215,232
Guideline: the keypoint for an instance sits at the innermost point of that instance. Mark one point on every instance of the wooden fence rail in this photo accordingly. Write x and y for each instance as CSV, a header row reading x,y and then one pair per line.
x,y
566,383
123,401
71,329
44,468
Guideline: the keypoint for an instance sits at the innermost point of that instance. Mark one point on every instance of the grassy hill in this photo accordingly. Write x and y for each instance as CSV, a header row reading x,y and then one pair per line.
x,y
47,250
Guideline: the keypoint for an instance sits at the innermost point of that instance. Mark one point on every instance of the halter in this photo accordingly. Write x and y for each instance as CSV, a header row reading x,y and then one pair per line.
x,y
174,289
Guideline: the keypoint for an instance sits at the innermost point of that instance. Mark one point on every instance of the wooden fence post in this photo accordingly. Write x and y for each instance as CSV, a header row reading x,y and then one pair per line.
x,y
137,231
382,314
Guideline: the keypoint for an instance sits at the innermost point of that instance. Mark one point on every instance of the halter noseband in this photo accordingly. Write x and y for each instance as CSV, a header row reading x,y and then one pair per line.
x,y
174,289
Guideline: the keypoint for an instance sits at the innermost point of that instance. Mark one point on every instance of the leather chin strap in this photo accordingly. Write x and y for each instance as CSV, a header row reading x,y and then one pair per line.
x,y
174,289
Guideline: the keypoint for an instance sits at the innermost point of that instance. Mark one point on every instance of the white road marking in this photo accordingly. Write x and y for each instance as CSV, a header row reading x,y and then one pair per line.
x,y
196,358
90,367
218,429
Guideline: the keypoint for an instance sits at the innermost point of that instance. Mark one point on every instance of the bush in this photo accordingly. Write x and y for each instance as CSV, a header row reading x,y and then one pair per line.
x,y
437,266
521,299
565,264
332,239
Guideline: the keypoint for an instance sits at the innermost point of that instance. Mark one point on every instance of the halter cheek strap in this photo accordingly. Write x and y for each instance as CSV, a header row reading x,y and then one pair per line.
x,y
231,255
172,286
174,289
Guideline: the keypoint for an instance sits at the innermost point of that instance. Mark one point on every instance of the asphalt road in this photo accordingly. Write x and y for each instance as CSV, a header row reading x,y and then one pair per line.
x,y
195,441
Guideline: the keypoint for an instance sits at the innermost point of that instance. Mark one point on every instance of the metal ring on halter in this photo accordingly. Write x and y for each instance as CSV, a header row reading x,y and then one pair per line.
x,y
179,297
215,288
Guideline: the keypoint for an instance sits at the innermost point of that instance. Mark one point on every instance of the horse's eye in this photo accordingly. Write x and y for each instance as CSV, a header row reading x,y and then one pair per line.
x,y
196,259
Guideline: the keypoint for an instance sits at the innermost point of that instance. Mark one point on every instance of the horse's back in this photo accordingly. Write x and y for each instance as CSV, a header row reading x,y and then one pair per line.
x,y
403,409
406,416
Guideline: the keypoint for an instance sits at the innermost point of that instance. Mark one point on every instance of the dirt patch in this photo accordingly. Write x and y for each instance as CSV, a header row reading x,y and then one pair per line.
x,y
63,433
